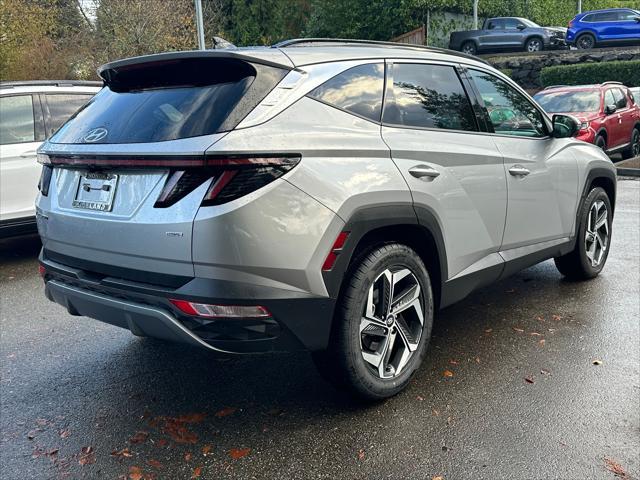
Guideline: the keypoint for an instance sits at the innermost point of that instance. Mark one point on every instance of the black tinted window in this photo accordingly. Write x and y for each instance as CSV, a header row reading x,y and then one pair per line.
x,y
495,25
510,112
16,119
62,107
428,96
603,17
171,100
357,90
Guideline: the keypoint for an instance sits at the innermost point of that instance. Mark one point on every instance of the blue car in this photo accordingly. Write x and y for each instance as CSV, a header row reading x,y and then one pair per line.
x,y
604,27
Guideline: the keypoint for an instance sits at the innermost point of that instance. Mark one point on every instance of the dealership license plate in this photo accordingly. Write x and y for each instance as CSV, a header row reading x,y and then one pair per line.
x,y
96,191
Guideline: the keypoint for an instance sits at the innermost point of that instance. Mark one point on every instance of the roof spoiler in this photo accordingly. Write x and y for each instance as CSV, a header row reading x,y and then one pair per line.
x,y
109,71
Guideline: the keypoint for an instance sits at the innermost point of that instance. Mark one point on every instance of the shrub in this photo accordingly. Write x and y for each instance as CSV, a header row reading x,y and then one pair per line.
x,y
627,72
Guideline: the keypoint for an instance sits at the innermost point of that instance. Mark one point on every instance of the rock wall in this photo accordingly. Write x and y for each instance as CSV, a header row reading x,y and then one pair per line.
x,y
525,67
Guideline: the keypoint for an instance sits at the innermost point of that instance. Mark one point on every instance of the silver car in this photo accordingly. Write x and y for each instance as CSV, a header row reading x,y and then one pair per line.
x,y
322,195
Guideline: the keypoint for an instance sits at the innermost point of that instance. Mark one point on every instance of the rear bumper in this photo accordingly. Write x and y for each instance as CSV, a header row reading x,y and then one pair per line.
x,y
299,321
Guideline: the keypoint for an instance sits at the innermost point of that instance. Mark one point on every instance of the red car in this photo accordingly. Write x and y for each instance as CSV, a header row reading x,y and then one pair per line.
x,y
609,114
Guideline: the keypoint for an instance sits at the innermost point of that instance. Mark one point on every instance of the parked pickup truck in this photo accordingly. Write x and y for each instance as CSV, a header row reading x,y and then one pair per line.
x,y
508,33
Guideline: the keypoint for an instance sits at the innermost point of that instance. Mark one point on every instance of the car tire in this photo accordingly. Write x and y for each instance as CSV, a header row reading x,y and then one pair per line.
x,y
469,48
534,44
585,41
365,324
601,142
593,242
634,147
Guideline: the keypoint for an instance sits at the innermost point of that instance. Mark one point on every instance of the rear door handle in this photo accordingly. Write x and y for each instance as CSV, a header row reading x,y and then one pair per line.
x,y
423,171
519,171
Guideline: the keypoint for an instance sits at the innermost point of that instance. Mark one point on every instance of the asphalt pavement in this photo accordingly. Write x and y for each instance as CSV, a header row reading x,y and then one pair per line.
x,y
534,377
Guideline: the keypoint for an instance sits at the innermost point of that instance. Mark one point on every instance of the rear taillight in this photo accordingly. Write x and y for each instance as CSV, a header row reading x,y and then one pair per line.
x,y
42,271
45,180
230,177
220,311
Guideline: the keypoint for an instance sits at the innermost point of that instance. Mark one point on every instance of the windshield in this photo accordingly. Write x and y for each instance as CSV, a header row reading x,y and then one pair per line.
x,y
564,102
529,23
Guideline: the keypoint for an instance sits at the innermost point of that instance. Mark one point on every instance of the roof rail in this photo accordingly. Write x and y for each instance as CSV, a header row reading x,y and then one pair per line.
x,y
372,43
554,86
51,83
611,82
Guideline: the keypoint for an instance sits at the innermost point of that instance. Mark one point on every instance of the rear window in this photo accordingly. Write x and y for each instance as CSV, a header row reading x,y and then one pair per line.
x,y
171,100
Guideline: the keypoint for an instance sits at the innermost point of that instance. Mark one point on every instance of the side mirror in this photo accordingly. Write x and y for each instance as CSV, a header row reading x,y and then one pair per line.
x,y
637,19
565,126
609,109
521,26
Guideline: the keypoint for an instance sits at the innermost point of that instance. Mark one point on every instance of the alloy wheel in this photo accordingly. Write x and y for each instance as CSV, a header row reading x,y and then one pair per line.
x,y
596,239
469,49
392,322
585,42
534,45
635,143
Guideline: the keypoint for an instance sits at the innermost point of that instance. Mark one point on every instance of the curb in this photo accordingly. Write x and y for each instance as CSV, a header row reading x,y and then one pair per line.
x,y
628,172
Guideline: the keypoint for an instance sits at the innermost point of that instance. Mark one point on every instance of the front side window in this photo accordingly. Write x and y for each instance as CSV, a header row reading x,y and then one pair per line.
x,y
62,107
357,90
510,112
428,96
627,15
16,119
620,99
608,98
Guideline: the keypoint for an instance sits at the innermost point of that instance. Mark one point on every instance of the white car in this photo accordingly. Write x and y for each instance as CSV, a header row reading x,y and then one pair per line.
x,y
30,112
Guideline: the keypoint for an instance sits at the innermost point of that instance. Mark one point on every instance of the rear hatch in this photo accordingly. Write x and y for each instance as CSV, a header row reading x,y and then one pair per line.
x,y
123,179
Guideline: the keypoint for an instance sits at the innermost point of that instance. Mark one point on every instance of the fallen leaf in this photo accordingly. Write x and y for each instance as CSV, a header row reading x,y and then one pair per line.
x,y
545,372
87,456
597,362
206,449
64,433
187,457
477,359
453,362
488,330
535,334
615,468
225,412
361,454
237,453
557,318
196,472
512,290
154,463
520,330
135,473
541,342
192,418
124,453
540,318
435,412
438,477
447,373
162,442
528,380
139,437
420,398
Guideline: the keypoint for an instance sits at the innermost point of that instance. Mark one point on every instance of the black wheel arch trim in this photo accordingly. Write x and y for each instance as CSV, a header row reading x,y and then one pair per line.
x,y
593,175
368,220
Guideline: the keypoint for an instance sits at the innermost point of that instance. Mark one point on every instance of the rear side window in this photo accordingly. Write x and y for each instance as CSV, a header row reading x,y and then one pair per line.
x,y
428,96
357,90
62,107
170,100
16,119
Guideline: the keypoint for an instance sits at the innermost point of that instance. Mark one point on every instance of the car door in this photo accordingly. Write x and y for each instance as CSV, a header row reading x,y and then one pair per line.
x,y
542,175
454,172
609,26
626,116
494,36
514,33
21,132
628,25
612,120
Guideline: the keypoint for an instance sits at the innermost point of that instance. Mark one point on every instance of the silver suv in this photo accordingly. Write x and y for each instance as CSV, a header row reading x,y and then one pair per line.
x,y
323,195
